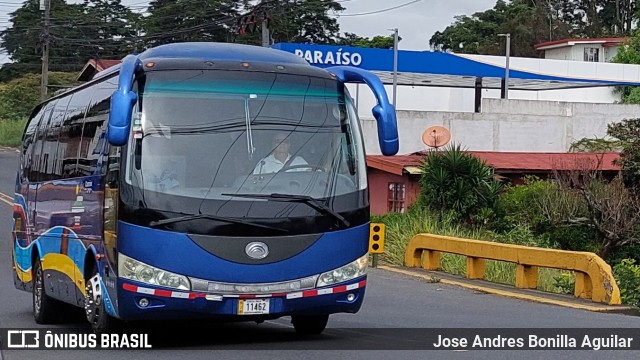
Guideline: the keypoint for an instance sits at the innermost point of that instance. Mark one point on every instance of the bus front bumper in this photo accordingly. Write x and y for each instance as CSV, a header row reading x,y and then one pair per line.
x,y
137,301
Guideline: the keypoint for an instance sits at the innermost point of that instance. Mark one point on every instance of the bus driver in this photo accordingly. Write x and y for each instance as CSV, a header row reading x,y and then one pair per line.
x,y
279,157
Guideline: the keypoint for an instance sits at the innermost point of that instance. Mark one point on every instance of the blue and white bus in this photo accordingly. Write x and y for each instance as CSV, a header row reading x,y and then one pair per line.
x,y
151,191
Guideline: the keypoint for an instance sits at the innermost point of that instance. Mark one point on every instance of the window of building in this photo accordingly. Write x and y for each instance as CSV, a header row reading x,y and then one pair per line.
x,y
396,197
591,54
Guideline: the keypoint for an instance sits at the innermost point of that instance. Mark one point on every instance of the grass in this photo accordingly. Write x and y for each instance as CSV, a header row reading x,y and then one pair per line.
x,y
11,132
402,227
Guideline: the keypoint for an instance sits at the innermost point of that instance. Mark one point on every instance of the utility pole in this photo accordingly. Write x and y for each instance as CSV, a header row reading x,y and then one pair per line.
x,y
45,50
266,37
506,67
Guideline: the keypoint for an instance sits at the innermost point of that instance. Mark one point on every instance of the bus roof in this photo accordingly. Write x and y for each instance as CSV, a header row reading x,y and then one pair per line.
x,y
222,52
206,51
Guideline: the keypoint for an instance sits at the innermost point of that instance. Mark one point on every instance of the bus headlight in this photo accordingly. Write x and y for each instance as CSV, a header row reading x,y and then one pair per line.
x,y
132,269
350,271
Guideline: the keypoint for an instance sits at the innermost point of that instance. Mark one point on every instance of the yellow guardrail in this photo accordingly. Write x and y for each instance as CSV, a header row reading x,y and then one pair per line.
x,y
594,279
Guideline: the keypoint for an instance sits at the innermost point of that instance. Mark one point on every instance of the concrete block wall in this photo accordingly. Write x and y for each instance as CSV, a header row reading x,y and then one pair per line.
x,y
508,125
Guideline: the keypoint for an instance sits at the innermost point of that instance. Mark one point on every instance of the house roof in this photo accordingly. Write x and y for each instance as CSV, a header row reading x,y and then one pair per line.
x,y
503,161
94,66
570,42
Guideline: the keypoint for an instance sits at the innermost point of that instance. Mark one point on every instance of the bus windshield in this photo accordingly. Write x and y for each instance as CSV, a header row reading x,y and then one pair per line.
x,y
212,134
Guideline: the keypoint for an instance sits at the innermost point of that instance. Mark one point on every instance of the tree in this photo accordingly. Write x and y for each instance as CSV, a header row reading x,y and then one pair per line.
x,y
613,210
379,41
186,20
116,28
628,133
629,53
535,21
617,16
528,22
304,21
77,32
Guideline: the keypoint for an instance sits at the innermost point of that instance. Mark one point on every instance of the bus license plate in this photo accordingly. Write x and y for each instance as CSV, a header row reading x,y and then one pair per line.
x,y
253,306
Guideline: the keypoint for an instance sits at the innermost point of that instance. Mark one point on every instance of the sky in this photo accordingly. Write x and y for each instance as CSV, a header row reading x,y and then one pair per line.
x,y
416,22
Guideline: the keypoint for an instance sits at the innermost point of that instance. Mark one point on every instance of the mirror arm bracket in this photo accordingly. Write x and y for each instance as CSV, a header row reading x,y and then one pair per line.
x,y
383,111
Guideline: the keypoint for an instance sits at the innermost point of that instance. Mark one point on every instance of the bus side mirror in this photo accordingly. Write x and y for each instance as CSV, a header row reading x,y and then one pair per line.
x,y
384,112
122,102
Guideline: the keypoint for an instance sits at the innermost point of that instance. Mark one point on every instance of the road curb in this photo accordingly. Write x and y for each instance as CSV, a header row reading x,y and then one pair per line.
x,y
514,294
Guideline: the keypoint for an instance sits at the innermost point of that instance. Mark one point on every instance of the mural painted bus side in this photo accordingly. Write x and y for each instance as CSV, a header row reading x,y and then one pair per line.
x,y
140,195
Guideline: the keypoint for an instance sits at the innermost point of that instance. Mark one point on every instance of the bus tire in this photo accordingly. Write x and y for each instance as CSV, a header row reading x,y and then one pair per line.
x,y
95,311
45,308
309,325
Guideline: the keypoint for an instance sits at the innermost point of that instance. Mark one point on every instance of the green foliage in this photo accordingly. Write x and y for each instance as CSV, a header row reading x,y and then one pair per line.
x,y
400,228
627,274
19,96
565,283
455,181
303,21
531,22
93,29
187,20
11,132
596,145
629,54
379,41
628,133
631,251
521,203
527,22
575,238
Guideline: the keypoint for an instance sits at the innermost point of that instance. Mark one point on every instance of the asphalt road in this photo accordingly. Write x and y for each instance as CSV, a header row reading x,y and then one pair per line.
x,y
394,305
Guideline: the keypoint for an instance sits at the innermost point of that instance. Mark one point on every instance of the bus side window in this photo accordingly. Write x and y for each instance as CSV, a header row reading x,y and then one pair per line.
x,y
28,141
51,160
71,132
36,167
94,129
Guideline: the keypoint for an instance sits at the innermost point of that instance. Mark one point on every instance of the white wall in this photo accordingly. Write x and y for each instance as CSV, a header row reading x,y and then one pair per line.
x,y
576,52
507,125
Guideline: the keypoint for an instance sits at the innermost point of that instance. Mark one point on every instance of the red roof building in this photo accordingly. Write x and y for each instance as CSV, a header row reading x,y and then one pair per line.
x,y
394,180
590,50
93,66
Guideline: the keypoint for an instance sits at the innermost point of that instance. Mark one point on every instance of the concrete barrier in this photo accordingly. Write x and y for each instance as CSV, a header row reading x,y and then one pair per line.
x,y
594,279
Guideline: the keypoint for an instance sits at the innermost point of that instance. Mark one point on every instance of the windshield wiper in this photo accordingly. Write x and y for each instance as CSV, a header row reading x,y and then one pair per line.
x,y
322,208
212,217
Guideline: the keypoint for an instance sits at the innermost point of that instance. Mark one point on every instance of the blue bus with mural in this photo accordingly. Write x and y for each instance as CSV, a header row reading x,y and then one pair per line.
x,y
199,180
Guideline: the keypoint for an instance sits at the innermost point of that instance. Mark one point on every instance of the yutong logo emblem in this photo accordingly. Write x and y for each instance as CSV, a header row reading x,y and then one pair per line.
x,y
257,250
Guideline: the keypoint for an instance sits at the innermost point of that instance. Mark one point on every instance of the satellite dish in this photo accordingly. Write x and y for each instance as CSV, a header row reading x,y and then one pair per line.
x,y
436,136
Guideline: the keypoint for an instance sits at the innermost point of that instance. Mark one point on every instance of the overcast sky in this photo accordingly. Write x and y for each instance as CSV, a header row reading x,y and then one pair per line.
x,y
416,22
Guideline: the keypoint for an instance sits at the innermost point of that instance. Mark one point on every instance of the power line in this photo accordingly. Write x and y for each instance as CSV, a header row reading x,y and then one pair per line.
x,y
380,11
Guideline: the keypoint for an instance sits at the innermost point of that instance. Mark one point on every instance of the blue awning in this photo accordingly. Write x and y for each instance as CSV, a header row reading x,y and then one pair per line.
x,y
439,69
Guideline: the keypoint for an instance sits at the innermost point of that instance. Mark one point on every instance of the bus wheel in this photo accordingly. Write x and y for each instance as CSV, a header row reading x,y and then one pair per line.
x,y
94,307
45,308
309,325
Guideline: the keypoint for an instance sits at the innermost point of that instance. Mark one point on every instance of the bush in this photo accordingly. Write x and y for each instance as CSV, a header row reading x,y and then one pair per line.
x,y
575,238
455,181
627,275
565,283
521,203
